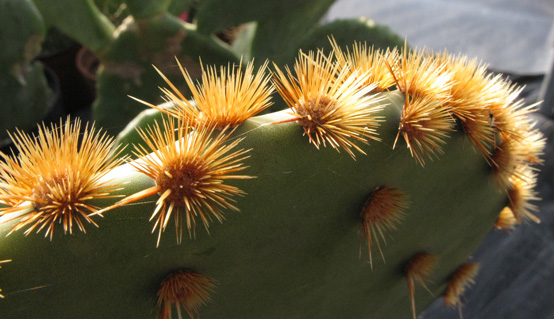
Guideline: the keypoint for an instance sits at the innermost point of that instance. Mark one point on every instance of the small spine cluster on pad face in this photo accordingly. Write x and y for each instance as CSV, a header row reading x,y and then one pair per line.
x,y
382,212
184,289
418,271
459,282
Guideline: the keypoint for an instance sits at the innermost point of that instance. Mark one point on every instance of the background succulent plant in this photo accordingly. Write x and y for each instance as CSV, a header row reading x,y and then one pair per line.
x,y
23,85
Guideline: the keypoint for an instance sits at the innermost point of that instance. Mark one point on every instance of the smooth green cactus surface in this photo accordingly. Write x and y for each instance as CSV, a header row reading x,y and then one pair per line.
x,y
361,200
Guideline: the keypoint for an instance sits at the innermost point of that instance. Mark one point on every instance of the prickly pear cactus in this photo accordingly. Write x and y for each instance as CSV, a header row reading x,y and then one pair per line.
x,y
363,199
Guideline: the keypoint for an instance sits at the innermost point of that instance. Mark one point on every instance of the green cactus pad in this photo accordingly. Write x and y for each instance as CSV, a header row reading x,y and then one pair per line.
x,y
127,70
292,251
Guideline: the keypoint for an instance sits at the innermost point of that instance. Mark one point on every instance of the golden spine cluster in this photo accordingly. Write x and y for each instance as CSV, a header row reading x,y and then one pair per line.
x,y
55,176
330,101
336,98
184,289
381,214
222,99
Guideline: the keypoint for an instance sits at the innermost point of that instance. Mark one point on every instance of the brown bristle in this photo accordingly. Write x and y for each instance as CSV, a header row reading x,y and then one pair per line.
x,y
364,59
424,124
190,169
184,289
55,176
418,270
521,192
222,99
506,219
332,104
461,280
381,214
